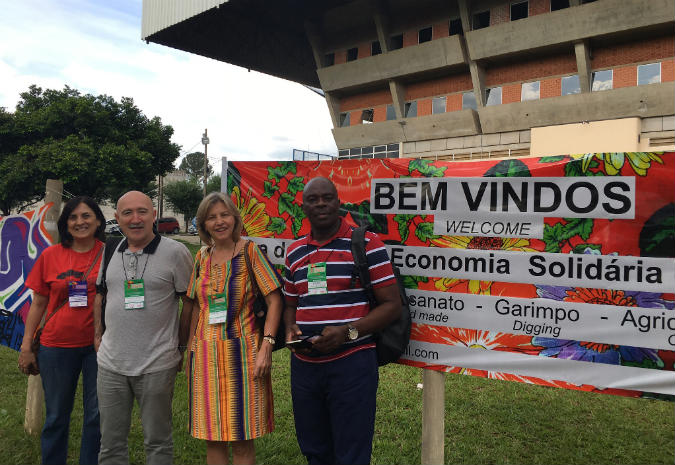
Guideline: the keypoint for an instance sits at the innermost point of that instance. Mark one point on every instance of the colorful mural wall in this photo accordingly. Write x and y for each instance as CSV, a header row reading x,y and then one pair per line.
x,y
555,271
23,237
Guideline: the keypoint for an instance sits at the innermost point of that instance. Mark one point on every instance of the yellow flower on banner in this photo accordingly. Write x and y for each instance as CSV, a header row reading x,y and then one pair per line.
x,y
614,161
252,214
482,243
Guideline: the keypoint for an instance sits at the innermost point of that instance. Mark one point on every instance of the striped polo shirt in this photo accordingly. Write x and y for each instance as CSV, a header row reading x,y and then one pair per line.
x,y
345,300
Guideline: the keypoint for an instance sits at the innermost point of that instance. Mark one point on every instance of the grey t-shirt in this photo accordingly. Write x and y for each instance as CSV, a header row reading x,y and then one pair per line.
x,y
145,340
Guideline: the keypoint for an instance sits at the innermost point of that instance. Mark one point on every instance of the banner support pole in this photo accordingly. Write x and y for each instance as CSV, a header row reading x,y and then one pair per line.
x,y
433,417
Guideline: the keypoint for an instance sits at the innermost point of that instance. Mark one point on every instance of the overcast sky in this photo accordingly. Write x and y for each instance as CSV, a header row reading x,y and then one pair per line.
x,y
95,46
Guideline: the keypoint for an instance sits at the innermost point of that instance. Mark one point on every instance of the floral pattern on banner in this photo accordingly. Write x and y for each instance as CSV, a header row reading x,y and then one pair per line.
x,y
269,195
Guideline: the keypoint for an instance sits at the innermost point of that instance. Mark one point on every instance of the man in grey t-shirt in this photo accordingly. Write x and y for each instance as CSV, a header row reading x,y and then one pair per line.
x,y
140,352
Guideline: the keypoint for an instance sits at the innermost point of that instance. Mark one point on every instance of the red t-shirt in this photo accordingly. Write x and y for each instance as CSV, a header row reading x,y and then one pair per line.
x,y
71,326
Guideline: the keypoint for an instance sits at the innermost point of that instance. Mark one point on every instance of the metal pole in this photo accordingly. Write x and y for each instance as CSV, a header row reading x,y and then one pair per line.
x,y
205,141
433,418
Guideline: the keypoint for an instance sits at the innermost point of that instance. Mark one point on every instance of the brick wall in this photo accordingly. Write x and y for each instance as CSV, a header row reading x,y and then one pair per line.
x,y
447,85
511,93
340,56
537,7
668,71
440,30
410,38
625,76
549,88
380,114
639,52
500,14
367,100
548,66
364,50
453,102
424,107
355,117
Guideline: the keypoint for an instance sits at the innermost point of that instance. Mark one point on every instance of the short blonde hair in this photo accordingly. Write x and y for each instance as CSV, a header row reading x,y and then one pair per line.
x,y
203,211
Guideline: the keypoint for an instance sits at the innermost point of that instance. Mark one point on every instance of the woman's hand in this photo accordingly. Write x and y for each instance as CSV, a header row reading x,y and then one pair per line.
x,y
28,363
263,362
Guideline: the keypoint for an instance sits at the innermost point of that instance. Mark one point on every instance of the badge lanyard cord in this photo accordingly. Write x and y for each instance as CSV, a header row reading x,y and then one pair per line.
x,y
71,252
144,266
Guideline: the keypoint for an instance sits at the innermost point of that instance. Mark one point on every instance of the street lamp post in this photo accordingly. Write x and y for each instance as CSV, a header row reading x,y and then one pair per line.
x,y
205,141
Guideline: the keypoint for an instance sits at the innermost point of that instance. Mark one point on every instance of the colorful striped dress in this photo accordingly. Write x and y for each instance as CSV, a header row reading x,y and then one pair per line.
x,y
226,402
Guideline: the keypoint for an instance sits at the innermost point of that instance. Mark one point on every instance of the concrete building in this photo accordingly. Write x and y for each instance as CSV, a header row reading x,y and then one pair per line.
x,y
454,79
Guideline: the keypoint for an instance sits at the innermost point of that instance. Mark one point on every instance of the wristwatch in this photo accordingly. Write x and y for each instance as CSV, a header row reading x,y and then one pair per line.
x,y
271,339
352,333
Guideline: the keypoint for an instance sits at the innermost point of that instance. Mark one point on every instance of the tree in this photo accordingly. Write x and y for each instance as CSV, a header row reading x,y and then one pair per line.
x,y
184,197
193,165
213,184
96,145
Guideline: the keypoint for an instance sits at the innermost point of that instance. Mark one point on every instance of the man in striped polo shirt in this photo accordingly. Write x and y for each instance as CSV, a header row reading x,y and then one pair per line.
x,y
334,383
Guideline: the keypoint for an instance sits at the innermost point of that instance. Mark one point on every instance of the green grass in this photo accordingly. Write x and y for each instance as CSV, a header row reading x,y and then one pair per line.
x,y
485,422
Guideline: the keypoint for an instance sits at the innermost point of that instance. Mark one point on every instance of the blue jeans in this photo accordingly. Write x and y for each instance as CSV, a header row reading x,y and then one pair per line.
x,y
334,408
60,369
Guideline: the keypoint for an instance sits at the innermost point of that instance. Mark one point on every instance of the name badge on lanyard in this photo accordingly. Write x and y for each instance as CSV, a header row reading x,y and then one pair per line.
x,y
77,293
217,308
134,294
316,278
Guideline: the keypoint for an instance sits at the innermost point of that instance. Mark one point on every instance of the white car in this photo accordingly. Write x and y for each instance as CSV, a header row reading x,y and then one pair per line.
x,y
111,227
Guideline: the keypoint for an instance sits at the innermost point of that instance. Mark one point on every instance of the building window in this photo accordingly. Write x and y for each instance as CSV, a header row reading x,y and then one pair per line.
x,y
481,20
392,150
456,27
602,80
410,109
469,100
518,11
367,152
380,151
344,119
352,53
391,112
493,96
375,48
355,152
367,116
343,153
424,35
329,59
396,41
529,91
437,105
570,85
649,74
559,4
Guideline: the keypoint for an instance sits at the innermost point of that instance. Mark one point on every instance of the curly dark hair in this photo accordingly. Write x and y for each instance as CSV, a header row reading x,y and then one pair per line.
x,y
66,238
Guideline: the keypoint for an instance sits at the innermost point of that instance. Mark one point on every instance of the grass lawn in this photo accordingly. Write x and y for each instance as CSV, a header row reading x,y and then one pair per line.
x,y
486,421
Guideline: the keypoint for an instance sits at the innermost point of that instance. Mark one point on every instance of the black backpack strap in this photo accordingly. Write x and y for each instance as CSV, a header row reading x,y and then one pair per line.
x,y
361,263
111,245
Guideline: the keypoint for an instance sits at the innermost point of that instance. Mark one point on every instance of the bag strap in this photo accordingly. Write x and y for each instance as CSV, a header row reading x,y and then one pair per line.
x,y
247,258
361,263
110,246
63,303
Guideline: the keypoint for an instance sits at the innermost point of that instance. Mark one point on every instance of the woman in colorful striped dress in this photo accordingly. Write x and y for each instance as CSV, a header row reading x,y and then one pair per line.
x,y
230,356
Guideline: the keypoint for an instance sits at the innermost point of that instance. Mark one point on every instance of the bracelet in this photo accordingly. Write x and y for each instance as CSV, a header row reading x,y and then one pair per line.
x,y
271,339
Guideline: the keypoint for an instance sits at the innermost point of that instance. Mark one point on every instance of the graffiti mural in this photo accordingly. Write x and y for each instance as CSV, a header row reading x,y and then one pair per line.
x,y
23,237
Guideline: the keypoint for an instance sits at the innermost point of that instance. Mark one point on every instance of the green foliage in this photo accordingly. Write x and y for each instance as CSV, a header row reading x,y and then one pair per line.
x,y
276,225
96,145
287,205
552,159
193,165
213,184
556,235
403,222
411,282
425,168
277,173
184,197
425,232
509,169
362,216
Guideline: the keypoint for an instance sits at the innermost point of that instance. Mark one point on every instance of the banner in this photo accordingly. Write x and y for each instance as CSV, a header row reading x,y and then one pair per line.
x,y
556,271
23,237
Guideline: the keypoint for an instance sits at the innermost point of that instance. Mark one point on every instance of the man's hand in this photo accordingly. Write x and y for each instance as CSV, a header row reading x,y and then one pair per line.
x,y
331,338
293,333
97,341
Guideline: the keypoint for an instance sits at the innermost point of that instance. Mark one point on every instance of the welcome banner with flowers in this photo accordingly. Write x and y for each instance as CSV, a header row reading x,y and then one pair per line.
x,y
557,271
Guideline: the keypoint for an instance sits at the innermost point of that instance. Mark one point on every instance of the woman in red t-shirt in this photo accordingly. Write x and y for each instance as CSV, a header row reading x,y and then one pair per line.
x,y
63,281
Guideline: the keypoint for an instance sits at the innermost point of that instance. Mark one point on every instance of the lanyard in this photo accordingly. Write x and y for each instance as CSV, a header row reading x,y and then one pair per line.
x,y
134,256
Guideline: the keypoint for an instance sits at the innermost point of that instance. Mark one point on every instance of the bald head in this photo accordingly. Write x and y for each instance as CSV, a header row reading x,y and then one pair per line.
x,y
320,183
135,216
321,205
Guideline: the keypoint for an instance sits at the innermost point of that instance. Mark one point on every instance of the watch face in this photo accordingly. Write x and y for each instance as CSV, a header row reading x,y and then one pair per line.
x,y
352,333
